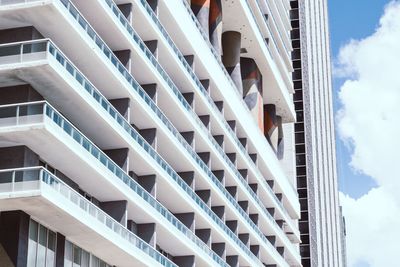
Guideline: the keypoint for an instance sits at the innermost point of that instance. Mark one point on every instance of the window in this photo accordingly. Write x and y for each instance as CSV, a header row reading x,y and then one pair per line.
x,y
41,246
77,257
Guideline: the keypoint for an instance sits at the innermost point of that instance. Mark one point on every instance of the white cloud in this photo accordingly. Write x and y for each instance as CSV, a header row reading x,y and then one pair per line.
x,y
370,121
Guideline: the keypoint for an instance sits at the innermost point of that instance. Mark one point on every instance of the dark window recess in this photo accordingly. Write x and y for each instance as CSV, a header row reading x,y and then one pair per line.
x,y
301,182
300,149
301,171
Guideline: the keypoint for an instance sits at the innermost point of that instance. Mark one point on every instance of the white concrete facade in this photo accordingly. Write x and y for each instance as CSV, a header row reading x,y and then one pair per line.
x,y
136,145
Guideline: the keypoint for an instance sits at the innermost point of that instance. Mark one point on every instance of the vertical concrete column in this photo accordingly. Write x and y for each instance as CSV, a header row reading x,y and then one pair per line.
x,y
271,126
231,42
14,236
152,45
116,209
126,9
147,232
219,249
253,90
204,235
60,250
151,90
188,177
215,25
120,156
281,144
187,219
205,195
233,260
184,261
150,135
122,105
201,9
125,57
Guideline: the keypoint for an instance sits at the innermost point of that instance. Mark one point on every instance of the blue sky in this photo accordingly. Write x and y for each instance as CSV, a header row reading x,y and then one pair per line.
x,y
351,19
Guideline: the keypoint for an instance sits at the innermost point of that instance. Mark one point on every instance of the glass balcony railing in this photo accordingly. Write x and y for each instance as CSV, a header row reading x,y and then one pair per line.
x,y
100,43
121,18
35,178
23,113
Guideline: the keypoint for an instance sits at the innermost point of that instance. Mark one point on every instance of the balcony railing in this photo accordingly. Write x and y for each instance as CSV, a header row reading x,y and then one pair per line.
x,y
36,178
35,112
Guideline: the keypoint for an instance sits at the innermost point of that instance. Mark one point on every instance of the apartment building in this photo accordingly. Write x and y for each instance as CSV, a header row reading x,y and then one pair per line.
x,y
147,133
317,186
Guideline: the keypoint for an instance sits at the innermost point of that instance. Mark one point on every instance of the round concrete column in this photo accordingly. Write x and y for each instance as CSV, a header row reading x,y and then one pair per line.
x,y
215,25
252,90
231,42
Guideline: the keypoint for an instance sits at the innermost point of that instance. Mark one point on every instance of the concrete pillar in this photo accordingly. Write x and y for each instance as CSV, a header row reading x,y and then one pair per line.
x,y
189,97
14,236
18,93
122,105
219,249
120,156
201,9
150,135
271,126
125,57
245,238
255,249
188,177
190,60
231,42
205,157
233,260
189,137
152,45
154,5
184,261
204,235
60,250
126,9
215,25
205,119
205,195
220,174
233,225
254,217
244,205
151,90
147,232
233,191
19,34
253,90
187,219
116,209
219,211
